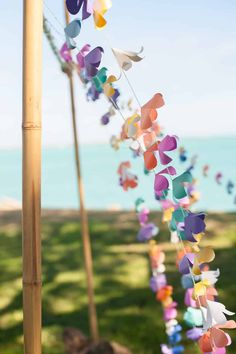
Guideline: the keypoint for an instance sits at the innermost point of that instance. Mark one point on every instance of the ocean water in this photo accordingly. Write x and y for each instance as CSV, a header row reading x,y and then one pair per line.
x,y
99,168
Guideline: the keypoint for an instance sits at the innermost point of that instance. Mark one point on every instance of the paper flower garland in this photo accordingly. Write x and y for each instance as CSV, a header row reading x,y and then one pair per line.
x,y
187,226
158,281
200,293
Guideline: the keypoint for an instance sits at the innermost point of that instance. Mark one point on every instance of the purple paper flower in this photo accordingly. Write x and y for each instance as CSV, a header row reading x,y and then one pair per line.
x,y
143,216
81,55
114,98
92,93
194,224
188,299
170,312
65,53
105,119
74,6
194,333
157,282
147,232
186,263
161,183
168,143
92,61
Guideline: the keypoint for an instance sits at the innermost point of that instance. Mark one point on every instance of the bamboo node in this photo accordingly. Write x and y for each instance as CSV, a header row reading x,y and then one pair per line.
x,y
32,283
31,126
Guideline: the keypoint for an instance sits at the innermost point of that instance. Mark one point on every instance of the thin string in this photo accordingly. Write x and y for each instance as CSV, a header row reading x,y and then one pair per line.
x,y
53,15
132,89
123,72
54,28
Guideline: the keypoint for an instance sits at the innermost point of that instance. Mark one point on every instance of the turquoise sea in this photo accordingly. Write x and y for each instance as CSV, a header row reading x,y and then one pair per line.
x,y
99,166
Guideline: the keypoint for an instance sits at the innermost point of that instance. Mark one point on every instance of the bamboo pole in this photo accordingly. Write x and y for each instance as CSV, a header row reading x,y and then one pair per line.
x,y
31,209
83,216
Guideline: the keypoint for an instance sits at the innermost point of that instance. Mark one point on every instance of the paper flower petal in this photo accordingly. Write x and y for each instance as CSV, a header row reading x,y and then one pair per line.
x,y
186,263
205,343
228,325
188,299
230,187
193,317
74,6
94,57
149,110
161,183
194,334
187,281
200,289
179,191
65,53
131,126
150,159
168,143
206,255
218,178
157,282
215,314
219,337
194,224
125,58
164,293
99,20
72,30
82,53
147,232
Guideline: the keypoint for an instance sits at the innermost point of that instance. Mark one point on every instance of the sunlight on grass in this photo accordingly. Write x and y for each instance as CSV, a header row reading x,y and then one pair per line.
x,y
52,340
127,309
8,291
10,319
62,305
69,228
68,277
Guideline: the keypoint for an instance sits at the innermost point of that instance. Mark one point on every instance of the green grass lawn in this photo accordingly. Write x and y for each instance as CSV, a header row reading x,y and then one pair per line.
x,y
127,310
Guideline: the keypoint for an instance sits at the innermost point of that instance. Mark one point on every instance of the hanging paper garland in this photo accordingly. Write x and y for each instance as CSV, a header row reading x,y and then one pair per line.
x,y
158,281
187,227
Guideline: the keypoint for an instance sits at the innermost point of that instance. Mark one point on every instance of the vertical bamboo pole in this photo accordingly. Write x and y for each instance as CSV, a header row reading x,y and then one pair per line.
x,y
83,216
31,209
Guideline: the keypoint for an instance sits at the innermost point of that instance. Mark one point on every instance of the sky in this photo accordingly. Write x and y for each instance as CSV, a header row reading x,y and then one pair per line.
x,y
189,56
